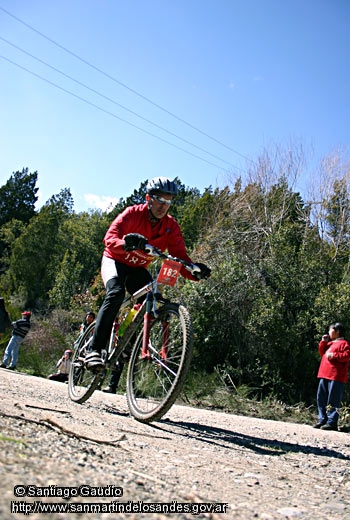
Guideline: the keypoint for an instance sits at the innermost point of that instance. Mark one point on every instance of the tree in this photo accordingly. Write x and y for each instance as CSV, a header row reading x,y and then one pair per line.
x,y
138,197
266,276
18,197
195,215
66,281
36,251
338,219
81,245
17,202
9,232
63,202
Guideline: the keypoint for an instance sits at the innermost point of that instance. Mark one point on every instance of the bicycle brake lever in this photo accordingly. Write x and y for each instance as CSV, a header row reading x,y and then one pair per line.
x,y
195,269
150,250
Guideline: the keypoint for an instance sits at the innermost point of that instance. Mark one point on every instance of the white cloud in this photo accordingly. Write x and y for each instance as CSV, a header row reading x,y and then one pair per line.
x,y
100,202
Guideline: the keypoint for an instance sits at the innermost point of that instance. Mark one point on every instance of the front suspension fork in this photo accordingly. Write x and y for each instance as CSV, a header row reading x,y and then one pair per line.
x,y
147,321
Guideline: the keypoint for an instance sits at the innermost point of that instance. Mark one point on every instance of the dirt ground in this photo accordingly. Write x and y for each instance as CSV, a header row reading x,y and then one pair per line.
x,y
206,464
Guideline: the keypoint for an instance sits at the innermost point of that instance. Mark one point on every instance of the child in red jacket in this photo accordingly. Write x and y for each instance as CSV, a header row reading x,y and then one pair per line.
x,y
334,350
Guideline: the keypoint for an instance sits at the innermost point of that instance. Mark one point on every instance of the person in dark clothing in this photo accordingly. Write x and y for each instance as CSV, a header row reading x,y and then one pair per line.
x,y
114,378
20,330
89,318
5,321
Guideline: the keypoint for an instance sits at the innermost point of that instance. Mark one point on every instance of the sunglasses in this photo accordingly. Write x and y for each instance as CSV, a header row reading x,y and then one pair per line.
x,y
161,200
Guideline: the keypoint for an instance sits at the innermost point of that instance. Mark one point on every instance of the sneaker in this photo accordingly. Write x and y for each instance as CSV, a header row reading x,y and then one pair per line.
x,y
93,360
2,365
109,390
11,368
329,427
319,424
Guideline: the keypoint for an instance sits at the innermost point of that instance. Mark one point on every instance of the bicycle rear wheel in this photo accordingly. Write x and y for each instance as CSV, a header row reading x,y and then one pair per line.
x,y
83,382
155,381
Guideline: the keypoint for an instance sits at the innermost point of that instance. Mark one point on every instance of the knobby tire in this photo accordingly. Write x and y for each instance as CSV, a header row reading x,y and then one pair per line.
x,y
153,384
83,382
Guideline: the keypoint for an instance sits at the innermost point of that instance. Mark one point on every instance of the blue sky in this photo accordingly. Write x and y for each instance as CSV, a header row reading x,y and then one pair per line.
x,y
251,74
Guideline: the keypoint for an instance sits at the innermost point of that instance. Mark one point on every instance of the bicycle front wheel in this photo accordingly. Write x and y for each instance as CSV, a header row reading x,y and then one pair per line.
x,y
83,382
156,378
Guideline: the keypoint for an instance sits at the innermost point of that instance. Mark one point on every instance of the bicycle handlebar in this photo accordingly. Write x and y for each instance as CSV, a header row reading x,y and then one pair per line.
x,y
154,251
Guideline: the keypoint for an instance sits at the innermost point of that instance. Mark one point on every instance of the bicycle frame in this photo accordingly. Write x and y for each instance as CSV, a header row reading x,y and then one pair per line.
x,y
160,337
149,306
148,309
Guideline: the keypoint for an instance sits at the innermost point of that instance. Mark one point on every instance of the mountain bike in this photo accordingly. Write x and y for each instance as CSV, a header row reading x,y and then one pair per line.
x,y
158,343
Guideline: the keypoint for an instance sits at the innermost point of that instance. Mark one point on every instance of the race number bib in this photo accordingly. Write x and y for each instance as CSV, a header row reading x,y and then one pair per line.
x,y
169,272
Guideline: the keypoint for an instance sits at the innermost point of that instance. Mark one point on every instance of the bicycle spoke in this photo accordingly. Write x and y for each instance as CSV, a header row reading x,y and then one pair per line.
x,y
155,381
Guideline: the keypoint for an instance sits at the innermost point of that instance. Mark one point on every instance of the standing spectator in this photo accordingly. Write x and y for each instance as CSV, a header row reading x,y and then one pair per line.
x,y
63,367
89,318
5,321
334,350
20,330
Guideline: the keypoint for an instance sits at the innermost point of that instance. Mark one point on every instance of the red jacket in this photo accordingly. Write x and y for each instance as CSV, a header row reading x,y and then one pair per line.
x,y
165,235
336,368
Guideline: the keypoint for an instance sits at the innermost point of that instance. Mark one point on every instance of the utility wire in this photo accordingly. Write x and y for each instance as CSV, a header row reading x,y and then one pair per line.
x,y
108,112
114,102
124,85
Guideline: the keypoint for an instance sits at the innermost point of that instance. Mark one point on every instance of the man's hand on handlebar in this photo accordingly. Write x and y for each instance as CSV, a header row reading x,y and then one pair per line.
x,y
204,272
134,241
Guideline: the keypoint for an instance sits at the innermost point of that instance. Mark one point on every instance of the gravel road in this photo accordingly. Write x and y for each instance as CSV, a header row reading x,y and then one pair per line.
x,y
212,465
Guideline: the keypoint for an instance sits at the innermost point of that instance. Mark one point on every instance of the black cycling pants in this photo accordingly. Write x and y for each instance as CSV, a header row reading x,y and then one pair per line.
x,y
126,278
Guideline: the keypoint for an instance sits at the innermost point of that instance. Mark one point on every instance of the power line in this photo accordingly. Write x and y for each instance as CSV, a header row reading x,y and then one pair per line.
x,y
112,78
107,111
114,102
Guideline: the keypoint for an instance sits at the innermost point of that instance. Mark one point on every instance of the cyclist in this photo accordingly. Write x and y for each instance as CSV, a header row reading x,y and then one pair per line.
x,y
124,261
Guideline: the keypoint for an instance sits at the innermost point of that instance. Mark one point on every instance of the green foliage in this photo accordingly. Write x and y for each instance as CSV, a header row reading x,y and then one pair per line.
x,y
18,197
280,275
17,206
344,418
49,337
9,232
195,215
332,304
66,282
81,242
338,215
34,255
138,197
214,392
269,269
